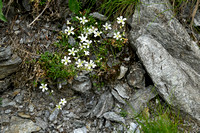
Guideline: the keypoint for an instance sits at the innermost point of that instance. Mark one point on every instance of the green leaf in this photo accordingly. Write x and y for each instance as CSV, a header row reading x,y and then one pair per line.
x,y
2,17
1,13
1,5
74,6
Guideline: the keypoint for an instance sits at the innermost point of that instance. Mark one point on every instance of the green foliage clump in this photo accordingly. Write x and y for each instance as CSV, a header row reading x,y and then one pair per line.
x,y
90,47
51,63
119,7
163,120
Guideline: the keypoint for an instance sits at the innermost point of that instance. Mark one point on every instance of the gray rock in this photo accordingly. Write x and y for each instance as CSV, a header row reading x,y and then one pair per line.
x,y
8,102
82,84
4,119
104,104
4,84
110,33
136,76
15,27
31,107
5,53
168,54
81,130
72,115
19,125
123,71
140,99
134,128
54,115
8,111
10,66
26,4
116,95
41,123
197,19
19,98
98,16
113,117
71,41
121,91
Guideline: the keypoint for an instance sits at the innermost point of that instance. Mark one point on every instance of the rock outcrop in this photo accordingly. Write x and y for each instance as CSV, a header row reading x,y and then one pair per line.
x,y
8,64
170,57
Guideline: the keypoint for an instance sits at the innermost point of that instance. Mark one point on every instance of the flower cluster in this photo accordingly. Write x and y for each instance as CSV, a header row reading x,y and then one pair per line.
x,y
89,50
61,103
85,42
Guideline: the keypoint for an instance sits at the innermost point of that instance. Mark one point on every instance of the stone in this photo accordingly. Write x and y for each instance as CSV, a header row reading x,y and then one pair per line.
x,y
8,102
197,19
134,128
23,115
8,111
82,84
117,96
139,100
4,84
4,119
123,71
26,4
112,116
168,54
19,125
121,91
19,98
5,53
71,41
54,115
98,16
104,104
41,123
81,130
31,108
10,66
136,77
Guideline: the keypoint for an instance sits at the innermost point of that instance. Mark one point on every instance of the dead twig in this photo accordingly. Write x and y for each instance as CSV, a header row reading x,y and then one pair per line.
x,y
194,13
40,13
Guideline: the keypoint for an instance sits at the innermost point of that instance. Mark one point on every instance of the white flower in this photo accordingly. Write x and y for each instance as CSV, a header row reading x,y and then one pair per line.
x,y
43,87
107,26
76,58
83,38
120,20
69,31
83,20
87,52
68,22
79,63
87,31
62,102
99,60
59,106
66,60
90,65
97,33
77,17
72,51
82,46
117,35
93,29
87,44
